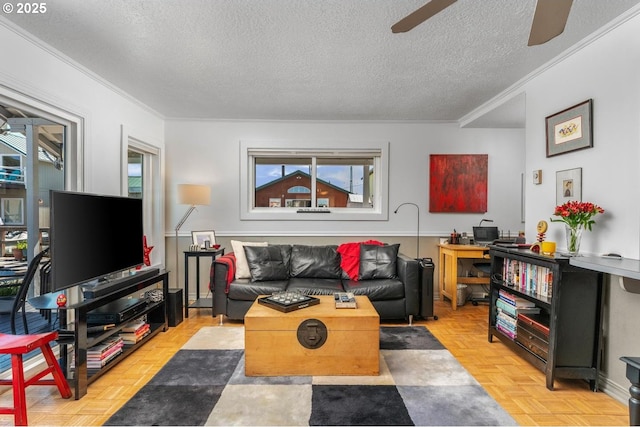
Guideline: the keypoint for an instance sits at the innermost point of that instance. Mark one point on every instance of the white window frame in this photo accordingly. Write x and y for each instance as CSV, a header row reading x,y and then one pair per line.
x,y
153,186
251,149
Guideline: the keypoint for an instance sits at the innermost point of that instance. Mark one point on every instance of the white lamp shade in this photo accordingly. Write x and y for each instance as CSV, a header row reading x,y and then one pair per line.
x,y
192,194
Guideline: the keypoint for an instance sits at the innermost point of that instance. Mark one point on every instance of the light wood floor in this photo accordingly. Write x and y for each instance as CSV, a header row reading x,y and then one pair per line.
x,y
515,384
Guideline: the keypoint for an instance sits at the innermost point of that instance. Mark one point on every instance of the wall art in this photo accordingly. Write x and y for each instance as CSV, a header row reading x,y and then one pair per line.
x,y
570,129
458,182
568,186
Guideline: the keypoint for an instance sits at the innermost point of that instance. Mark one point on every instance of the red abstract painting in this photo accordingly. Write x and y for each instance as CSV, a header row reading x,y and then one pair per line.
x,y
458,182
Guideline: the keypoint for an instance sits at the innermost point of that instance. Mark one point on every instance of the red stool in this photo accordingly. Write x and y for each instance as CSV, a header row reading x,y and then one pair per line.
x,y
17,346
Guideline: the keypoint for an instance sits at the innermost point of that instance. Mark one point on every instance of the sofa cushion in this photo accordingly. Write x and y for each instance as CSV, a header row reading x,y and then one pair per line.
x,y
312,286
320,262
246,290
376,289
350,258
285,251
378,262
265,263
242,267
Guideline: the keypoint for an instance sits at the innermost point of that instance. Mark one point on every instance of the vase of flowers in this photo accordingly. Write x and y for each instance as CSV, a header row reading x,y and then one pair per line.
x,y
574,237
577,217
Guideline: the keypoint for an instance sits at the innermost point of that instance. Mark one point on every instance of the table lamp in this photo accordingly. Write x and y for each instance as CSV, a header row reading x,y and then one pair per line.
x,y
193,195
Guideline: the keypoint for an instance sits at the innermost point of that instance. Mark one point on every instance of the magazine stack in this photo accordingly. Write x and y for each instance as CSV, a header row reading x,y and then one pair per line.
x,y
99,355
135,331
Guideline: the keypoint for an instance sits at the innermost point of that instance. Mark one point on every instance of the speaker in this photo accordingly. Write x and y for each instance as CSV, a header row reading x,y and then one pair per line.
x,y
426,288
175,306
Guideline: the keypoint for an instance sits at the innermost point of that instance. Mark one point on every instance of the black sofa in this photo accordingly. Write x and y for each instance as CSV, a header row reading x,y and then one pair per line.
x,y
388,278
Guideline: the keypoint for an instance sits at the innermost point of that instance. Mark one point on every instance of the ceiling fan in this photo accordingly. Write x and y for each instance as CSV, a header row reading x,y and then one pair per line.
x,y
548,21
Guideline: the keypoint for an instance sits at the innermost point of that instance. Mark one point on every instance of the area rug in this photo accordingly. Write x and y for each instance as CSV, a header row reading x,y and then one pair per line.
x,y
420,383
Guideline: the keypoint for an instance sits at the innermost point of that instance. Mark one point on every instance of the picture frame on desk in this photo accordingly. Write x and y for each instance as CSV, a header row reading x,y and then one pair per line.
x,y
204,239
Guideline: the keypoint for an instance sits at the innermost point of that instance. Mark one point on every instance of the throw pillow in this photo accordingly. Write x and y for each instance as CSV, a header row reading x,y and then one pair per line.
x,y
350,258
265,263
378,262
242,267
318,262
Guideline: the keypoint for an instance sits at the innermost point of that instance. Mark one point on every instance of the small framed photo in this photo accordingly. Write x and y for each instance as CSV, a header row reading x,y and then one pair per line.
x,y
568,186
204,239
570,129
537,176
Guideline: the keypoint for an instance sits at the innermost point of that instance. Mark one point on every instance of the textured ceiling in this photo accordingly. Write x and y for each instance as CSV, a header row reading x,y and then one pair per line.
x,y
308,60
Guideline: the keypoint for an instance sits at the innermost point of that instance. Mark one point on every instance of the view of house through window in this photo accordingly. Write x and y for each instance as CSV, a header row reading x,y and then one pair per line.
x,y
319,181
31,164
134,168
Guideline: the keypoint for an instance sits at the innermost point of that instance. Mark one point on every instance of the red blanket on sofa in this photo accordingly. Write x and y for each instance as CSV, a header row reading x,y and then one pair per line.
x,y
350,253
230,261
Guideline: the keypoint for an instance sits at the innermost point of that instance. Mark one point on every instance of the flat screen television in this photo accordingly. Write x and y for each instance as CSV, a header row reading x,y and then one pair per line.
x,y
93,237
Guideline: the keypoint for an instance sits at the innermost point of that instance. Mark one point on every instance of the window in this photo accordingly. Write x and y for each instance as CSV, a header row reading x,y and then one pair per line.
x,y
284,180
134,173
11,168
299,189
141,179
12,211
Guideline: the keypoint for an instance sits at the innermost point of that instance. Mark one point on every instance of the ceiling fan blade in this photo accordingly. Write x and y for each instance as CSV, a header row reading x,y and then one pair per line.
x,y
419,16
549,20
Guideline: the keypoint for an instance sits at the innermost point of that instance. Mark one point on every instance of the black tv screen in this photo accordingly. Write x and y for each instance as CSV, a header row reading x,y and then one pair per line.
x,y
93,236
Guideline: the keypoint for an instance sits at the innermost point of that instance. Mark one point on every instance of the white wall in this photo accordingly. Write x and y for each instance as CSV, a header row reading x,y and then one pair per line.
x,y
35,75
208,152
607,72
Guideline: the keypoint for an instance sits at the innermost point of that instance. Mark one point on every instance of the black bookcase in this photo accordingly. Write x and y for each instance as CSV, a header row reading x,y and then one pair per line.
x,y
565,338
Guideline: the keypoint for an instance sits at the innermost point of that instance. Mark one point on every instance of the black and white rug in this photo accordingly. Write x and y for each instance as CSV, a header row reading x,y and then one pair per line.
x,y
420,383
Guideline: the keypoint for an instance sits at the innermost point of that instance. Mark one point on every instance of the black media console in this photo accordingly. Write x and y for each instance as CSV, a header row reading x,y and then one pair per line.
x,y
80,333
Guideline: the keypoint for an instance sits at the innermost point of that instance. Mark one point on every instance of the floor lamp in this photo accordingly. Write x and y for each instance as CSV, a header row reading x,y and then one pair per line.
x,y
418,228
193,195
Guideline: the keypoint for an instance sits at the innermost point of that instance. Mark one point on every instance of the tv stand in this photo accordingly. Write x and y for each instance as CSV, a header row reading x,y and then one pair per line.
x,y
82,339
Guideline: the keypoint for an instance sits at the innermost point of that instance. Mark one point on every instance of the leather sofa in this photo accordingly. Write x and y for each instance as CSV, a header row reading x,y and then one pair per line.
x,y
389,278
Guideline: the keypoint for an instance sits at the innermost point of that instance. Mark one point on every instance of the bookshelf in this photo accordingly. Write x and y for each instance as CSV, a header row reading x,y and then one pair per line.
x,y
561,332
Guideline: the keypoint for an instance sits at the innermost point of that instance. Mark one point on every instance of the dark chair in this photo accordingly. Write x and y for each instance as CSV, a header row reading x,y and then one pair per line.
x,y
12,305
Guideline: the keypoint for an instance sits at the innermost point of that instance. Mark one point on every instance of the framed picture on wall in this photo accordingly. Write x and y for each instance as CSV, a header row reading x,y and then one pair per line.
x,y
568,186
204,239
570,129
458,183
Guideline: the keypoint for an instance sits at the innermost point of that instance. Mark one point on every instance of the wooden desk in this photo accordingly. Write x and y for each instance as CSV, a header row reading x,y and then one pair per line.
x,y
448,269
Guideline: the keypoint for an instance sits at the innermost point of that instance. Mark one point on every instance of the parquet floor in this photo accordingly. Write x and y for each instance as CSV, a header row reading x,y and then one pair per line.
x,y
515,384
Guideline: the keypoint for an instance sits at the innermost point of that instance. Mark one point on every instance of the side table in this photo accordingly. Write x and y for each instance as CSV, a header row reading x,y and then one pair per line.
x,y
199,302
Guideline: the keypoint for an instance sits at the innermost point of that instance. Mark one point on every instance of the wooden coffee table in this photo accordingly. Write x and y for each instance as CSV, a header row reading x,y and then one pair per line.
x,y
351,346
